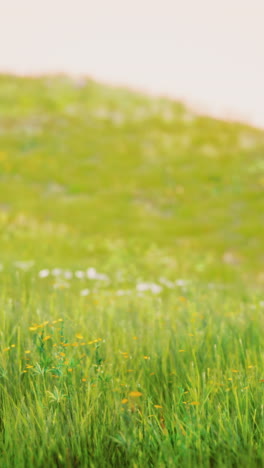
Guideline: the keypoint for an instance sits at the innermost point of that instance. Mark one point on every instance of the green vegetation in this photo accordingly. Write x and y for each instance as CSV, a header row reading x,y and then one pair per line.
x,y
131,281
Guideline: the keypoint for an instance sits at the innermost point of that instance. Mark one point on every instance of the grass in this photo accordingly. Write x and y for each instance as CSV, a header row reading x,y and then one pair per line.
x,y
131,300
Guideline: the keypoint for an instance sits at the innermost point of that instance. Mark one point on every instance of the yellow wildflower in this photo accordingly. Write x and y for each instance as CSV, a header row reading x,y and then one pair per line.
x,y
135,394
79,336
46,338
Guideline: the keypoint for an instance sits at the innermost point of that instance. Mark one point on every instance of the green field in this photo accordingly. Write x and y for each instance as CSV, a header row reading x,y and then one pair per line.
x,y
132,281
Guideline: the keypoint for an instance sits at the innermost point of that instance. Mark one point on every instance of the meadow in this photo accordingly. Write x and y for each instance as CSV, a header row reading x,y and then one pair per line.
x,y
131,281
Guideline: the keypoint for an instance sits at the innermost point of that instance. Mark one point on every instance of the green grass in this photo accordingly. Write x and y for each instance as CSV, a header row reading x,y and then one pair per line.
x,y
157,360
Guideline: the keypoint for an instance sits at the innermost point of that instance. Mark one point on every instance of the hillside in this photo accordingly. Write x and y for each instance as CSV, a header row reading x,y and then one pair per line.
x,y
102,174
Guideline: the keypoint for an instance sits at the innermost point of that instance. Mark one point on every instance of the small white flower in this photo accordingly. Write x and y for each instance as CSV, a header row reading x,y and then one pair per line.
x,y
166,282
142,287
154,288
25,266
56,271
122,292
80,274
85,292
181,282
68,274
261,303
44,273
101,277
91,273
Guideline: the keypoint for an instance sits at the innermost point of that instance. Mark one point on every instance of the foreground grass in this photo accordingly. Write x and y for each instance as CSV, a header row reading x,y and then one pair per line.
x,y
169,379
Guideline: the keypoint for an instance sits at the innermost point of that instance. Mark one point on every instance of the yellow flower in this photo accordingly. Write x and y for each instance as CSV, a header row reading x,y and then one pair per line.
x,y
47,338
157,406
69,370
146,357
194,403
13,345
79,336
95,341
181,350
84,380
182,298
135,394
27,351
124,401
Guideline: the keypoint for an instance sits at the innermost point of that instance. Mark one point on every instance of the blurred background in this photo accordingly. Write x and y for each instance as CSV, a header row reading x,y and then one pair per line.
x,y
131,136
207,53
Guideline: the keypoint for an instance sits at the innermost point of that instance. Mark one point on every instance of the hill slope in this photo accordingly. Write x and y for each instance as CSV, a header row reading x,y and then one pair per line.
x,y
88,171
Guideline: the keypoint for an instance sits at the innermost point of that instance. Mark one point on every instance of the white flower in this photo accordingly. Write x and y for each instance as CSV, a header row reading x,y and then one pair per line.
x,y
56,271
154,288
44,273
142,287
181,282
261,303
122,292
80,274
68,274
91,273
101,277
166,282
85,292
24,265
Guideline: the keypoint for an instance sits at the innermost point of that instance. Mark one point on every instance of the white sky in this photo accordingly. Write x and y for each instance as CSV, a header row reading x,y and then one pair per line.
x,y
207,52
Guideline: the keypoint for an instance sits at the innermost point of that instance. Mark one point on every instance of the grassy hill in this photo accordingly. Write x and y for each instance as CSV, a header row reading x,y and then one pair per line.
x,y
85,167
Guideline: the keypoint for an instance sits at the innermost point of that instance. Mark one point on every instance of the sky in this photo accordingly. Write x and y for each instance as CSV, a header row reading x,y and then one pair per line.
x,y
209,53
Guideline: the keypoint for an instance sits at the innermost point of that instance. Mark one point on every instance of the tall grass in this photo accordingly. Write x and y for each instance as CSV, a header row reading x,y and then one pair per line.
x,y
169,380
